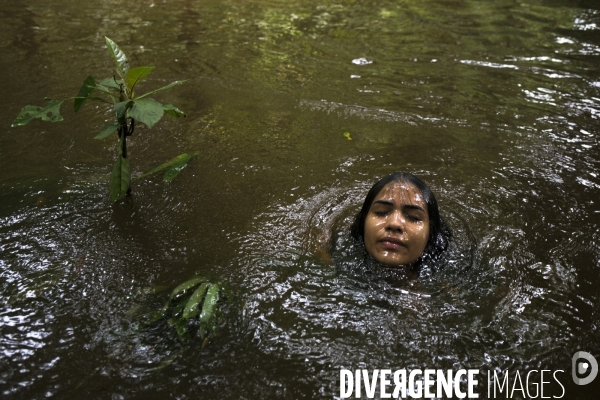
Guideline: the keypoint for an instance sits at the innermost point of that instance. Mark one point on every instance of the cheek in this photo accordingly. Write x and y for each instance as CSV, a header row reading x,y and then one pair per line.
x,y
423,235
372,225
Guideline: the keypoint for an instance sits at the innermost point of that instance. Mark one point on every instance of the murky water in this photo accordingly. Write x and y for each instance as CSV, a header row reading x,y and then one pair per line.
x,y
494,104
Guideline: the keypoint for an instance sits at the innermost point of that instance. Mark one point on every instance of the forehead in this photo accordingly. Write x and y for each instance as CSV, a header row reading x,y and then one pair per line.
x,y
401,193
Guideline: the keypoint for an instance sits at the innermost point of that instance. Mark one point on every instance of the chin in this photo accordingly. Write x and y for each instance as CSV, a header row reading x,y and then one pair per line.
x,y
395,263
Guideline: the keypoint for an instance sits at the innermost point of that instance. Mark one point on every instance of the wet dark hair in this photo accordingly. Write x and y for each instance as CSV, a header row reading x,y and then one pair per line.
x,y
439,234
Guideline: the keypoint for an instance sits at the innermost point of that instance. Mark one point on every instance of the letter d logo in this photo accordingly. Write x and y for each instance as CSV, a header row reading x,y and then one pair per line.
x,y
581,368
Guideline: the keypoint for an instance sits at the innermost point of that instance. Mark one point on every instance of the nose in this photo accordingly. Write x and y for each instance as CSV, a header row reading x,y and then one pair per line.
x,y
396,221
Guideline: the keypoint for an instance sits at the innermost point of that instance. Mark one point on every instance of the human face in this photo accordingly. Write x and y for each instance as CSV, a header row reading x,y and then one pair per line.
x,y
397,225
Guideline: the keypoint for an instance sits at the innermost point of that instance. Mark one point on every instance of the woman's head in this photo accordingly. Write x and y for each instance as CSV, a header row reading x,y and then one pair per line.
x,y
399,221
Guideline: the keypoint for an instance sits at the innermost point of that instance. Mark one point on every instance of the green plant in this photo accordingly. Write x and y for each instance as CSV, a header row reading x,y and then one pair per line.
x,y
192,306
128,108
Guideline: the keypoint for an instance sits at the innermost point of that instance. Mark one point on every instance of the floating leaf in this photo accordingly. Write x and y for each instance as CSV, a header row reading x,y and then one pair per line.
x,y
88,87
191,307
147,111
182,288
119,58
347,135
134,76
51,112
178,308
107,130
120,178
174,170
173,111
208,308
169,86
176,163
187,285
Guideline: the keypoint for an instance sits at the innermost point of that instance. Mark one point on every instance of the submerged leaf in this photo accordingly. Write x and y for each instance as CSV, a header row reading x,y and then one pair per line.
x,y
51,112
347,135
152,318
191,308
181,326
147,111
88,87
120,178
119,58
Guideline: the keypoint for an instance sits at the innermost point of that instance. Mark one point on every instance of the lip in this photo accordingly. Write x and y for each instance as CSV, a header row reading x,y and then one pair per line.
x,y
392,243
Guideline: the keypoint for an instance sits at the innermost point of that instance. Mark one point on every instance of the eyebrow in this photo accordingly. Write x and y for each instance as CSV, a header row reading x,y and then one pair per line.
x,y
391,203
384,202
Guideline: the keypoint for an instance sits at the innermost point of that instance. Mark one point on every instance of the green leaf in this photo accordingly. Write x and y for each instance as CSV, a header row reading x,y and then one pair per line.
x,y
120,178
172,172
187,285
146,111
182,288
208,308
152,318
105,90
99,99
134,76
119,58
176,163
191,307
51,112
107,130
169,86
173,111
121,110
181,327
111,83
88,87
210,302
178,308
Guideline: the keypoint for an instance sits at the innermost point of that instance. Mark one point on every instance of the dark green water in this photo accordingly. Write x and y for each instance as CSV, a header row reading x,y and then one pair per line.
x,y
495,104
